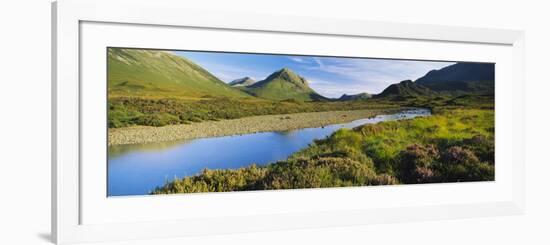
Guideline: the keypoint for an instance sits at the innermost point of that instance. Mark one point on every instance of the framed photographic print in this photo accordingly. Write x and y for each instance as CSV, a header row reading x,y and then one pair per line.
x,y
172,125
309,122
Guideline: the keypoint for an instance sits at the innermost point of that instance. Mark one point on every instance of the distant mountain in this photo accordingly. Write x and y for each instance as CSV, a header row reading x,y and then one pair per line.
x,y
404,89
282,85
351,97
153,73
245,81
461,77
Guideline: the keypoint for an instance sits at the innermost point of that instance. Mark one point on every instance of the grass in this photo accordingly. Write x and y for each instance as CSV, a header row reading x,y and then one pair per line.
x,y
158,74
157,88
384,142
453,145
284,84
246,125
129,111
279,90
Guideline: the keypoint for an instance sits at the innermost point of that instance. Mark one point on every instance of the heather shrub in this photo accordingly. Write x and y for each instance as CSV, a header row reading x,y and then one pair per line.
x,y
457,155
482,146
415,162
384,179
454,145
424,175
317,172
458,164
138,110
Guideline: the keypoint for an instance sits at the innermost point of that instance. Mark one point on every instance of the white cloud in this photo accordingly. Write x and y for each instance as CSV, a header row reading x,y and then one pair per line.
x,y
297,59
330,76
374,75
228,73
318,61
333,89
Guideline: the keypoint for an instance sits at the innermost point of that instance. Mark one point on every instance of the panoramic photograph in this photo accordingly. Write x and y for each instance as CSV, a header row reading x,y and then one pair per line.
x,y
202,121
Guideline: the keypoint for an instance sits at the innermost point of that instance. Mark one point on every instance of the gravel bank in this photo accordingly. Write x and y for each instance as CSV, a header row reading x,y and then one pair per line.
x,y
147,134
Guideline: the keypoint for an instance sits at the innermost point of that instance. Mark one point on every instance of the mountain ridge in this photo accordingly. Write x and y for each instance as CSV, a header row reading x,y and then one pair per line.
x,y
284,84
351,97
152,73
406,88
460,78
245,81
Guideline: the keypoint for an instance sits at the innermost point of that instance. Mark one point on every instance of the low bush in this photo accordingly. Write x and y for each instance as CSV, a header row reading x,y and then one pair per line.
x,y
458,164
453,145
128,111
415,162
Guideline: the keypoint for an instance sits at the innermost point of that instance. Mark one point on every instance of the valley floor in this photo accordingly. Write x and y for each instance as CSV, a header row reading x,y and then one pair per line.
x,y
452,145
246,125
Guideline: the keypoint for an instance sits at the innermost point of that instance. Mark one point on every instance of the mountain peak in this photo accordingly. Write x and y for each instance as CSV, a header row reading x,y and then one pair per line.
x,y
284,84
290,76
142,71
405,88
461,71
359,96
461,76
286,70
245,81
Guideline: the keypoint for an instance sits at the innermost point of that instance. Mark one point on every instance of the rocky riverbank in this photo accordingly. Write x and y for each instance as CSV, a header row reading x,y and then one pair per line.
x,y
254,124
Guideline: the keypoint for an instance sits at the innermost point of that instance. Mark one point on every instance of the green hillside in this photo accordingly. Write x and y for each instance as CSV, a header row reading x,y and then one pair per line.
x,y
245,81
160,74
284,85
352,97
461,78
405,89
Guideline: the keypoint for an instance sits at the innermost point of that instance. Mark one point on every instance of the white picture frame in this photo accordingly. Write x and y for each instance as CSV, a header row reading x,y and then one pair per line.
x,y
69,198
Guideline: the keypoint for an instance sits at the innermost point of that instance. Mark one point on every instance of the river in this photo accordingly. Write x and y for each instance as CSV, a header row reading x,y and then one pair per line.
x,y
138,169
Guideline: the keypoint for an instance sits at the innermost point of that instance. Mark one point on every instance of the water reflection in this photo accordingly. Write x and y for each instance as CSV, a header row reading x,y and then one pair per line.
x,y
138,169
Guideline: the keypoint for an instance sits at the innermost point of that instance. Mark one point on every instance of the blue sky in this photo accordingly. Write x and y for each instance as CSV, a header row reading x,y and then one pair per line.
x,y
329,76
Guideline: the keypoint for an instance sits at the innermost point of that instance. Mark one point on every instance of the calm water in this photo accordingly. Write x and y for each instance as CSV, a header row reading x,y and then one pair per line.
x,y
138,169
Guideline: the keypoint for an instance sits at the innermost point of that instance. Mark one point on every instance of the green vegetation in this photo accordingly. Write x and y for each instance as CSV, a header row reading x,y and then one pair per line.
x,y
283,85
159,74
359,96
245,81
456,143
461,78
128,111
439,101
453,145
157,88
405,88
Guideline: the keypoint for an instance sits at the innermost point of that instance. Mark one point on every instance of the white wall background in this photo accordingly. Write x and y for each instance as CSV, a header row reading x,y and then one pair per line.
x,y
25,122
